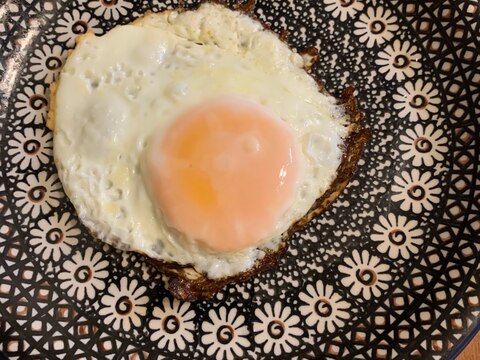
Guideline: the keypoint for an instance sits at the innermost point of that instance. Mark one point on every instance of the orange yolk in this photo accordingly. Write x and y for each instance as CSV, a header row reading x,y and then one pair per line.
x,y
224,172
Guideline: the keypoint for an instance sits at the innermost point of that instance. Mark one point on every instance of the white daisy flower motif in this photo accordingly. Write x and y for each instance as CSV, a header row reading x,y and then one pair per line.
x,y
416,191
365,274
376,26
173,325
30,148
397,236
84,274
277,329
124,305
399,60
417,100
110,9
324,309
424,145
343,9
38,193
225,334
54,237
74,24
47,62
32,105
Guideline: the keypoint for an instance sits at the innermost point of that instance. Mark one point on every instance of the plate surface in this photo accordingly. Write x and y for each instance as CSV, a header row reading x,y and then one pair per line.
x,y
391,271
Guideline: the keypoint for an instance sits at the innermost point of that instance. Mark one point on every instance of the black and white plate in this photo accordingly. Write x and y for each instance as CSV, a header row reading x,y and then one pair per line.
x,y
391,271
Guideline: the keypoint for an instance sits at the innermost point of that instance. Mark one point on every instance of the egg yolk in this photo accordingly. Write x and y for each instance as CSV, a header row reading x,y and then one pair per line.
x,y
224,172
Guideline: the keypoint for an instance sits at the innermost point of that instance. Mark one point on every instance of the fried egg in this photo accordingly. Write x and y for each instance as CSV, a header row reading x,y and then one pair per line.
x,y
193,137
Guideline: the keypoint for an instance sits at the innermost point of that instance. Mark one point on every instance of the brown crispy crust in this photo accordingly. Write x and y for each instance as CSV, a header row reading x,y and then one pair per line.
x,y
353,149
183,287
184,282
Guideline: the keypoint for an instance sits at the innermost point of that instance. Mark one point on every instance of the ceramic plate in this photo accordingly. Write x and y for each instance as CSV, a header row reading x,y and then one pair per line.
x,y
390,271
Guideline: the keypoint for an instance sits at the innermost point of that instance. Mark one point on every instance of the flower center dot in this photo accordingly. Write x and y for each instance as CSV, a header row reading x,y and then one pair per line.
x,y
171,324
54,236
346,3
124,305
53,63
109,3
423,145
366,277
37,193
377,27
276,329
83,274
418,102
323,308
416,192
79,27
37,102
225,334
397,237
31,146
401,61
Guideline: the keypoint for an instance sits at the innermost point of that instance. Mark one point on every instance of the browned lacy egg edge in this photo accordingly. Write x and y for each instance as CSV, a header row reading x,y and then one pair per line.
x,y
183,281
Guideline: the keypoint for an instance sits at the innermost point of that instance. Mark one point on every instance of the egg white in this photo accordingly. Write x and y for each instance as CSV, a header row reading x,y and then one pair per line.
x,y
116,90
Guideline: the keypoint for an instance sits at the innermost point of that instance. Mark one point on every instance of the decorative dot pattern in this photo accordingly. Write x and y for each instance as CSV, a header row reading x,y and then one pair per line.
x,y
390,271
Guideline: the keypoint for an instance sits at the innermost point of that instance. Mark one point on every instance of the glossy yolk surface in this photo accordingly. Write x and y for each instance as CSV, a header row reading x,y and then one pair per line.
x,y
224,172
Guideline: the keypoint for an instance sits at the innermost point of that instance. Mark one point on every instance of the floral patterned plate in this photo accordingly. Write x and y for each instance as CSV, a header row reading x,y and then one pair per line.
x,y
391,271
